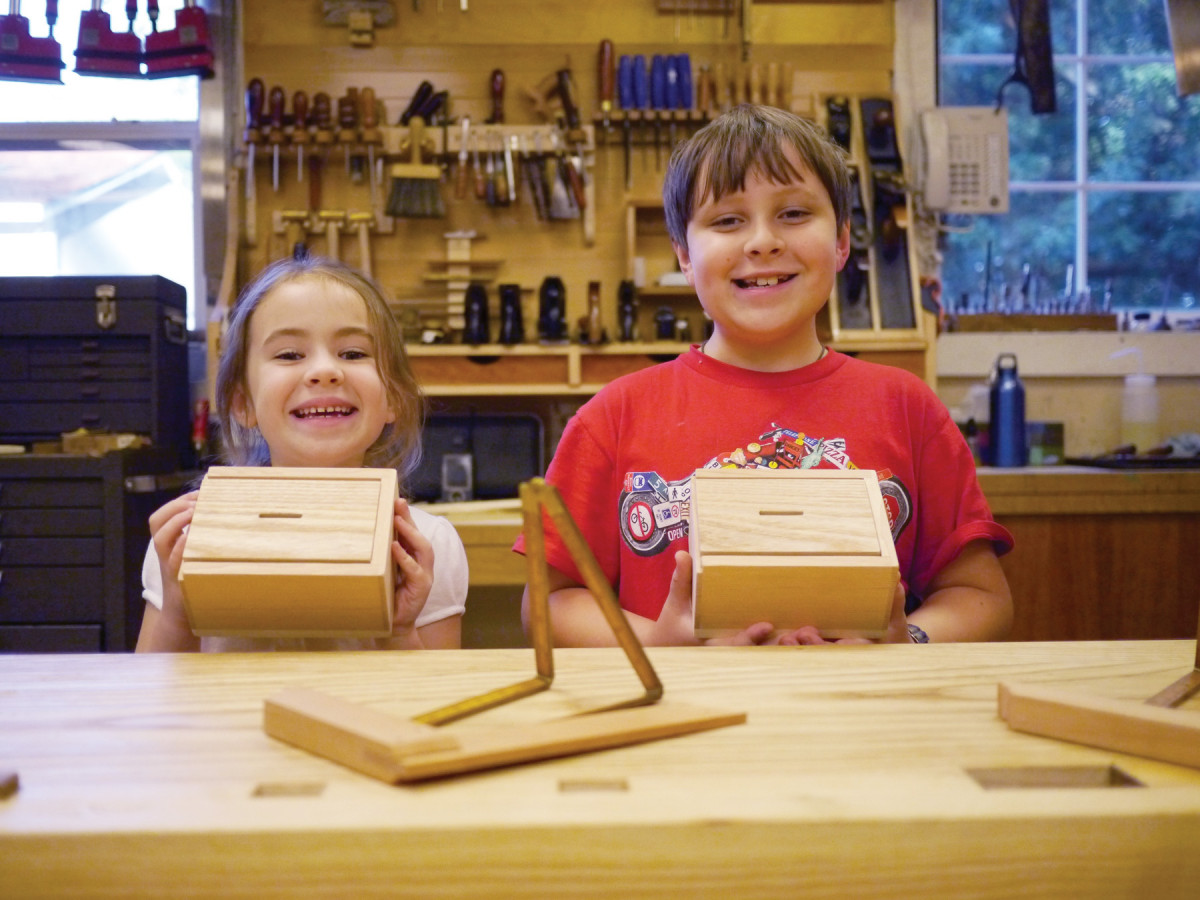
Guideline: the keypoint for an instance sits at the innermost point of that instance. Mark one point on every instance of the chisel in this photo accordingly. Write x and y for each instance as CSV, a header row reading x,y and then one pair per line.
x,y
460,176
255,93
604,79
300,134
275,135
347,116
625,96
371,135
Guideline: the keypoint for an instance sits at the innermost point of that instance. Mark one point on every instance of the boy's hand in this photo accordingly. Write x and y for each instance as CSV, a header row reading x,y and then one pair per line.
x,y
675,620
414,561
897,630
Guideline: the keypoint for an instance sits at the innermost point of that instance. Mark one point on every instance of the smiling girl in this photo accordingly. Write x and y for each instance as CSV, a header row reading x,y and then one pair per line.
x,y
313,373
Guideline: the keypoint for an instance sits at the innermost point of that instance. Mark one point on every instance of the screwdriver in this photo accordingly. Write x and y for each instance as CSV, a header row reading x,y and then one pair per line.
x,y
625,96
347,116
300,134
371,135
322,115
605,78
275,134
255,92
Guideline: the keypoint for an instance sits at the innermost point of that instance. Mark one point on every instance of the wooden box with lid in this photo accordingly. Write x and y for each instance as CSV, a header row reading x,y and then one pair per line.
x,y
793,548
291,552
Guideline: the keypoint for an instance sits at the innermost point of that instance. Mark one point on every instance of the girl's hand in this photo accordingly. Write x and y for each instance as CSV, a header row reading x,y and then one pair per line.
x,y
168,530
414,576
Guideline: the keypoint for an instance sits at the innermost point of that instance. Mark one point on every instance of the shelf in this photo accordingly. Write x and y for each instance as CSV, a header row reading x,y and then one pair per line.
x,y
446,370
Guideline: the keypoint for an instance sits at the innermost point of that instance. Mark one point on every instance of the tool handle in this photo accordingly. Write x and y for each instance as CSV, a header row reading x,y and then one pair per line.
x,y
347,109
658,82
674,99
130,12
460,175
704,90
786,73
370,110
322,111
497,91
721,86
683,68
432,107
255,92
51,14
625,94
416,138
276,103
575,179
423,92
641,83
152,12
605,74
300,110
566,93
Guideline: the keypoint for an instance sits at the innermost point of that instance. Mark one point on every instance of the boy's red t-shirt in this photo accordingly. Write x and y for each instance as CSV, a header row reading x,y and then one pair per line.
x,y
624,460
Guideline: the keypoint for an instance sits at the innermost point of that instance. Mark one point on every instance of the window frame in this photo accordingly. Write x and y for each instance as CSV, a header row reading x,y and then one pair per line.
x,y
1081,188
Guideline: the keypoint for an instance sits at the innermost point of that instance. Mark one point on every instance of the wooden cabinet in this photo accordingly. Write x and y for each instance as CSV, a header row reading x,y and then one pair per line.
x,y
1100,555
73,531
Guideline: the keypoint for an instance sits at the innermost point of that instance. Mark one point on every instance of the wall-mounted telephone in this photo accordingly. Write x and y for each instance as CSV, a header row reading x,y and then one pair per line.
x,y
964,159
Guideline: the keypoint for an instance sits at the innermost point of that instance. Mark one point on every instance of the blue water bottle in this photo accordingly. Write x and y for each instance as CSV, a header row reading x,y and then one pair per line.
x,y
1007,414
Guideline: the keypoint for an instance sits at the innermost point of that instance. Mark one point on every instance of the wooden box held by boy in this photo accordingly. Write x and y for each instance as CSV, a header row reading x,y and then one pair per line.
x,y
291,552
793,548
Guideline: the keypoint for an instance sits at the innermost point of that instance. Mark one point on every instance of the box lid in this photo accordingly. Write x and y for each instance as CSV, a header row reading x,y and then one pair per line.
x,y
293,518
823,512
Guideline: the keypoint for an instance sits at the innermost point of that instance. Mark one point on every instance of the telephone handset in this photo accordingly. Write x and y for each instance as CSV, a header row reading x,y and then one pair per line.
x,y
964,159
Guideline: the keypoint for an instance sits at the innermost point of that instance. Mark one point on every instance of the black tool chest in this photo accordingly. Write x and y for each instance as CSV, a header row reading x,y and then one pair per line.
x,y
102,353
73,531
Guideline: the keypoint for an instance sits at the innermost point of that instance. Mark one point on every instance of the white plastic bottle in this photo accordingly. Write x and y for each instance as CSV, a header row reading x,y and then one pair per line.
x,y
1139,406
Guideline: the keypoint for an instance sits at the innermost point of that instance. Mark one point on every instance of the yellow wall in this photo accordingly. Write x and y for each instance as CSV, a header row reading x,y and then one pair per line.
x,y
834,47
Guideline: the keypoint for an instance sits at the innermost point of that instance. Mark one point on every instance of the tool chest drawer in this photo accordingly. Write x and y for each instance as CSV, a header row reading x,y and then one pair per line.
x,y
94,352
73,530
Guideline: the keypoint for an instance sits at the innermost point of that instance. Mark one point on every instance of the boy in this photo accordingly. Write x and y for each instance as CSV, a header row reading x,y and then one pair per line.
x,y
757,207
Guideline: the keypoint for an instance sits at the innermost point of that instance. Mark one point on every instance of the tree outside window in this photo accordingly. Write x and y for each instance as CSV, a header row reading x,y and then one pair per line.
x,y
1105,192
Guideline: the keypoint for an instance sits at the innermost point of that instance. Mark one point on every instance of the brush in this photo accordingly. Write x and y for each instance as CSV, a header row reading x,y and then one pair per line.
x,y
416,185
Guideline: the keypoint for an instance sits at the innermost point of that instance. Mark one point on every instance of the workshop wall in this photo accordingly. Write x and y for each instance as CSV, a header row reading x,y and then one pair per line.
x,y
831,47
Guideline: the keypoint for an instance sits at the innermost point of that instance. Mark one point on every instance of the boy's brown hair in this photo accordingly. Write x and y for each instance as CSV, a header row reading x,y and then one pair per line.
x,y
399,445
716,160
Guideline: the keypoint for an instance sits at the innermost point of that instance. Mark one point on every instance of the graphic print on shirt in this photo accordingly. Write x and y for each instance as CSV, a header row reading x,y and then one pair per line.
x,y
654,511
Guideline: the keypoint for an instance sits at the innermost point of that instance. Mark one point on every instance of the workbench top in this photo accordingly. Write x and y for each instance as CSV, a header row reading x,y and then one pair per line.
x,y
144,774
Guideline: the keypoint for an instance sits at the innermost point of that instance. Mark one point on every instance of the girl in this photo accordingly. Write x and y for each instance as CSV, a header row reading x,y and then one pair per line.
x,y
313,373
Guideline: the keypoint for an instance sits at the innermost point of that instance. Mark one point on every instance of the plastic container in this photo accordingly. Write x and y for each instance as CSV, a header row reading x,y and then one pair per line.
x,y
1006,415
1139,406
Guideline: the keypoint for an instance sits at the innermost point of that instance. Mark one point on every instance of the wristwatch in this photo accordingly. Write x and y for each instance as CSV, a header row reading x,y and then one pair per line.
x,y
917,634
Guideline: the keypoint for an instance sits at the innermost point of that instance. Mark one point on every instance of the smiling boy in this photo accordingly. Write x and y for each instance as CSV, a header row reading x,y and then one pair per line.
x,y
757,208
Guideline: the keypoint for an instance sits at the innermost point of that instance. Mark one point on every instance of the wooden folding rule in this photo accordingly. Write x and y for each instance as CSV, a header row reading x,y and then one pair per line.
x,y
1152,729
791,547
401,750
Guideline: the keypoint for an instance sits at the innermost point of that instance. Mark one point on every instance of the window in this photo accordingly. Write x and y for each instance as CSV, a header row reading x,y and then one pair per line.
x,y
98,174
1105,193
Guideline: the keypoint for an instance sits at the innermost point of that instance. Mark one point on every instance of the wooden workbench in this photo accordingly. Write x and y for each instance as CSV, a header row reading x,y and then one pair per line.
x,y
150,775
1101,554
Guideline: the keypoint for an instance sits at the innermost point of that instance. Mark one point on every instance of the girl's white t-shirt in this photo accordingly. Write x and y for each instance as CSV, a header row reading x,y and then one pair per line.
x,y
447,596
